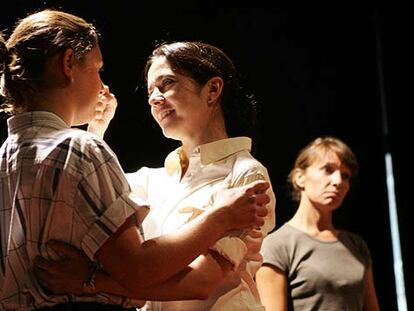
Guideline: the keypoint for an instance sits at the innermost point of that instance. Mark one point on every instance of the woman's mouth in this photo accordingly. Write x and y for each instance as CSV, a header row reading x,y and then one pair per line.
x,y
164,114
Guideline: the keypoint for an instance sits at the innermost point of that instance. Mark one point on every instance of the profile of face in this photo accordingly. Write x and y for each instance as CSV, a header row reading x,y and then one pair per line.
x,y
178,103
325,182
87,85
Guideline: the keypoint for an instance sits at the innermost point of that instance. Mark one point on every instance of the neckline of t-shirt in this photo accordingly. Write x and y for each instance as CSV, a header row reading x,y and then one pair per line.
x,y
314,238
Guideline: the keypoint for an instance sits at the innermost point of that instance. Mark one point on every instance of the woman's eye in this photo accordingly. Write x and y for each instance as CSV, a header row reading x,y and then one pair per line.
x,y
328,169
167,81
346,176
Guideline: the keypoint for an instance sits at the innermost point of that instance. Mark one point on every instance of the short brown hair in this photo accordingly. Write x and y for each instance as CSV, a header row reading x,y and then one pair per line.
x,y
34,41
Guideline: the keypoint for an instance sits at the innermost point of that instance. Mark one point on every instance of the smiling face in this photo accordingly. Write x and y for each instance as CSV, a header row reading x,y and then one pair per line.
x,y
325,183
178,103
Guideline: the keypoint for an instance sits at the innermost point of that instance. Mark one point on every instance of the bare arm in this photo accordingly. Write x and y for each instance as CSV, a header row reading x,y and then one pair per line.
x,y
154,261
135,264
370,296
66,276
273,288
197,281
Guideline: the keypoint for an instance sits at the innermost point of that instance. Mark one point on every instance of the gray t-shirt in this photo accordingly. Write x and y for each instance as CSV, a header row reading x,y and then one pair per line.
x,y
322,275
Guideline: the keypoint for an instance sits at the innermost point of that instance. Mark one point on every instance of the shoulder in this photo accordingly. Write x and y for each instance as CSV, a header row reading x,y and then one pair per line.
x,y
277,248
79,150
89,143
245,160
144,175
247,169
280,236
352,237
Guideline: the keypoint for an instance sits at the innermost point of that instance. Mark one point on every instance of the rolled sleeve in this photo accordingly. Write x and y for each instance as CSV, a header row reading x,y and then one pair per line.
x,y
231,248
110,221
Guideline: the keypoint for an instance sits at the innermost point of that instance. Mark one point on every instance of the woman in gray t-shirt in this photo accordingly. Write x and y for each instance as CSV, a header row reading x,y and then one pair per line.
x,y
308,263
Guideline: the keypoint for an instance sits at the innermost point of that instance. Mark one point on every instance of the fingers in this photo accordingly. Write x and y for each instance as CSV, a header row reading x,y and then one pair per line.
x,y
261,211
105,94
254,234
258,186
42,269
46,279
258,221
253,246
107,105
104,90
100,106
261,198
255,257
41,276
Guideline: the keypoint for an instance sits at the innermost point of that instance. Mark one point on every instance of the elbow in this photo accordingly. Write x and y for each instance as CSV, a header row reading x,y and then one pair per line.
x,y
135,283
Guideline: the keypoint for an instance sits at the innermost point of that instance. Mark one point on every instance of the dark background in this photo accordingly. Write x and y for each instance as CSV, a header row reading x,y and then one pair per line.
x,y
314,72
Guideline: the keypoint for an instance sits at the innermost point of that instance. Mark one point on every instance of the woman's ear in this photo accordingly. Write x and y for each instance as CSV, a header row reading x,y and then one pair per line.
x,y
67,63
60,69
299,178
215,88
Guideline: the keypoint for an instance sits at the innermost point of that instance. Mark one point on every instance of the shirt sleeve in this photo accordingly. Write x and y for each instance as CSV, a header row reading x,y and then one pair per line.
x,y
139,181
232,248
274,251
103,198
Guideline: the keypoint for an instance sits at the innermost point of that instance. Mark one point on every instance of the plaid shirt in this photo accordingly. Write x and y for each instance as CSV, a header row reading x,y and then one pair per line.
x,y
55,183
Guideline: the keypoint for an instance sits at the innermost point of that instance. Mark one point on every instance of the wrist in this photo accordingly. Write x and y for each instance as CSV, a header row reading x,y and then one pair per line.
x,y
220,224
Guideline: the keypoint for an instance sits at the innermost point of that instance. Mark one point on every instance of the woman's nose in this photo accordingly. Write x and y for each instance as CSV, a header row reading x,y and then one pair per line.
x,y
156,98
337,177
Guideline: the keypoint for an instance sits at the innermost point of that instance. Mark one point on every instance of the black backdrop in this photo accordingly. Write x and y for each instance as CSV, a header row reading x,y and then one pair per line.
x,y
314,73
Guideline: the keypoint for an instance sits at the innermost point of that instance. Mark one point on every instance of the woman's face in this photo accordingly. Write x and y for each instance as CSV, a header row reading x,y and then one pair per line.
x,y
325,182
178,103
88,85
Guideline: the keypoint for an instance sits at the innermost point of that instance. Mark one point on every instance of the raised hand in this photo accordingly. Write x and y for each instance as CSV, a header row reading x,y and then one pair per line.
x,y
104,112
66,275
243,207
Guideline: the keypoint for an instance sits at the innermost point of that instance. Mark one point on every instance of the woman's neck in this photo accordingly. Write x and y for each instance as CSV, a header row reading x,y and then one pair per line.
x,y
314,221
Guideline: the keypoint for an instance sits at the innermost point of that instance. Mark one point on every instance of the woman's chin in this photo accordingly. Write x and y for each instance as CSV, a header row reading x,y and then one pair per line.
x,y
168,133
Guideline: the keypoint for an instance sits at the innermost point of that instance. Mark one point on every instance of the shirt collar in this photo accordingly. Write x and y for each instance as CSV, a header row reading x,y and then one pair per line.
x,y
26,120
208,153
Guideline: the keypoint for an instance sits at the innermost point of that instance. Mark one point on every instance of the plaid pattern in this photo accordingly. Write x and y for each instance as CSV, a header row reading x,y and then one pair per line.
x,y
55,183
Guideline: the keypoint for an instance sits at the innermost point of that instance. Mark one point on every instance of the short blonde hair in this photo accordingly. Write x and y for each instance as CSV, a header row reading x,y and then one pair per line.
x,y
317,149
